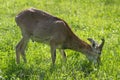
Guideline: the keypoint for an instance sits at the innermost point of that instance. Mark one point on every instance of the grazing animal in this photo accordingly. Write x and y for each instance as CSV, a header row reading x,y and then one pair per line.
x,y
42,27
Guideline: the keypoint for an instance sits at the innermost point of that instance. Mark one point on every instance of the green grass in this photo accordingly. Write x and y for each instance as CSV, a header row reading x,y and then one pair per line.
x,y
87,18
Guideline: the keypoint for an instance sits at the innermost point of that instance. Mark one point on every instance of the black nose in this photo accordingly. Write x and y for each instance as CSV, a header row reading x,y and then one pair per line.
x,y
99,53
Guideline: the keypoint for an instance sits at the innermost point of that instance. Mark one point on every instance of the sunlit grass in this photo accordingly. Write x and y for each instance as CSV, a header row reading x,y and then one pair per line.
x,y
96,19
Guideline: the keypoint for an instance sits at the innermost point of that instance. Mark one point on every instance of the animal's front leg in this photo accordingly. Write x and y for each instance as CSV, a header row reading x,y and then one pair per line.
x,y
63,54
53,51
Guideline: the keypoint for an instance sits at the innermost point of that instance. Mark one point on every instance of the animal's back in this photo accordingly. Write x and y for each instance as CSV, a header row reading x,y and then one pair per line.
x,y
32,18
41,26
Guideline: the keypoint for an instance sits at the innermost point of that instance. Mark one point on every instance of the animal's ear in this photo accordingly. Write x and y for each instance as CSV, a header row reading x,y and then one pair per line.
x,y
94,44
102,44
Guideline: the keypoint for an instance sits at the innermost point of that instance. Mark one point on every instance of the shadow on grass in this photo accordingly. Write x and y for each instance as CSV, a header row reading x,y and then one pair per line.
x,y
23,72
88,68
83,66
15,71
53,68
31,72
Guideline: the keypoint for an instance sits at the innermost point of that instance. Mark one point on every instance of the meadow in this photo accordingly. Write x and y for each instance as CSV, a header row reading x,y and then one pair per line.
x,y
87,18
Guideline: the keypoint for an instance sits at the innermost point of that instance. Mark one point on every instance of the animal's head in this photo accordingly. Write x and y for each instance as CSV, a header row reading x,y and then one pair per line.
x,y
96,49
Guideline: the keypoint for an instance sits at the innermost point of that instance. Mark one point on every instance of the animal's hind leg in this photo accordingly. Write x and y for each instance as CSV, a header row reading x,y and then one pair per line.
x,y
63,54
20,49
25,41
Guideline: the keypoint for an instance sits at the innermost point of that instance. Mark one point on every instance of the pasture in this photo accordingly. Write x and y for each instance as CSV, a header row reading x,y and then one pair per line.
x,y
87,18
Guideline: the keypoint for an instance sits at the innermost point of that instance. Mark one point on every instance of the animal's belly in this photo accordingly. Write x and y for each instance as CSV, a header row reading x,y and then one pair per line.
x,y
41,39
46,40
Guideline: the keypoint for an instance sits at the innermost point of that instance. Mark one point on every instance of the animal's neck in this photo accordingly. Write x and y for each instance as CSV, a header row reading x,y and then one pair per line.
x,y
79,45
